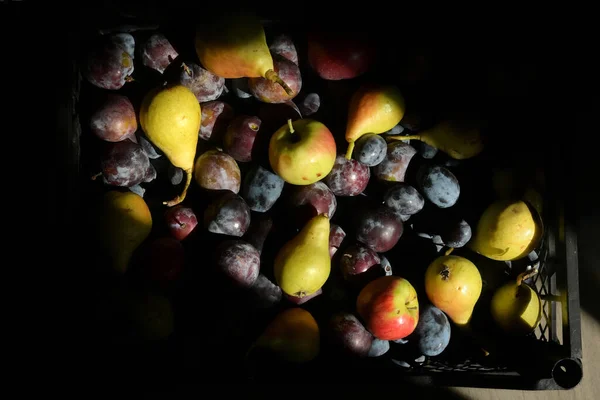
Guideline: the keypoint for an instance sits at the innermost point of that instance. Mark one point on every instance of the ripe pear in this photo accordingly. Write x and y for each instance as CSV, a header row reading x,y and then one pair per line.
x,y
170,117
234,46
458,139
125,223
507,230
516,307
373,109
453,284
293,336
303,264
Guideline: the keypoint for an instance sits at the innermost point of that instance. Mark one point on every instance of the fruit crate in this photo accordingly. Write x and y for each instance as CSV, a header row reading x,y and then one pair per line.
x,y
549,358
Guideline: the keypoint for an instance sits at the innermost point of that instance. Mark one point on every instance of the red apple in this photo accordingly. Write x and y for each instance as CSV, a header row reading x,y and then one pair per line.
x,y
181,221
339,57
302,152
389,307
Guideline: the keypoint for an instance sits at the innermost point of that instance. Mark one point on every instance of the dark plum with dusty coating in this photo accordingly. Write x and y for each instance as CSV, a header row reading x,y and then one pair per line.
x,y
379,228
270,92
215,118
265,294
438,185
261,188
356,259
228,214
347,177
349,336
108,64
125,164
217,170
205,85
284,46
317,196
239,261
394,165
457,234
310,104
240,136
115,119
404,199
432,333
336,237
370,150
158,53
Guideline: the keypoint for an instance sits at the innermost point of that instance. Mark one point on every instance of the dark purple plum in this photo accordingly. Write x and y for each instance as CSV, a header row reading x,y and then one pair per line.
x,y
394,165
259,229
404,199
239,138
270,92
228,214
317,195
379,228
205,85
336,237
370,150
438,185
347,177
157,52
217,170
261,188
239,261
265,294
115,119
427,151
284,46
215,118
126,164
357,259
108,64
457,235
349,335
432,333
378,347
310,104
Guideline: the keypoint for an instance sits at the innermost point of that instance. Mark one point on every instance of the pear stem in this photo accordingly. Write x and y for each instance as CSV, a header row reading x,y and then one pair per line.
x,y
129,78
181,197
273,77
350,150
400,137
96,176
525,275
289,121
187,69
449,251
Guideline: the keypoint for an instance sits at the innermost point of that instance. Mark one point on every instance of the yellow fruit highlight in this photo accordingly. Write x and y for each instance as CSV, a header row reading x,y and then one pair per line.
x,y
507,230
170,117
125,223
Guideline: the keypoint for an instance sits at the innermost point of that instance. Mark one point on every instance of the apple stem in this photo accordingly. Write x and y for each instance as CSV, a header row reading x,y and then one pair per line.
x,y
181,197
350,150
289,121
526,275
273,77
400,137
449,251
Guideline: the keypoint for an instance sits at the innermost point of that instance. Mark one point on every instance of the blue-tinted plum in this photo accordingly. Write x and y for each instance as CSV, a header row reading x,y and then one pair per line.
x,y
378,347
438,185
370,149
380,229
261,189
404,199
432,333
428,151
347,177
228,214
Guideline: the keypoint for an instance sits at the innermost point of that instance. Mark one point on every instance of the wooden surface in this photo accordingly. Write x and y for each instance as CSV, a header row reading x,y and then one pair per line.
x,y
588,389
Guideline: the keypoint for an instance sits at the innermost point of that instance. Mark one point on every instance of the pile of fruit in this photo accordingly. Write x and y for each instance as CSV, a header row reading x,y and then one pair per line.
x,y
273,198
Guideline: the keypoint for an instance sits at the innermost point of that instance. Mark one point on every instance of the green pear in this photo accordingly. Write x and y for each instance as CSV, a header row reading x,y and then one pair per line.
x,y
303,264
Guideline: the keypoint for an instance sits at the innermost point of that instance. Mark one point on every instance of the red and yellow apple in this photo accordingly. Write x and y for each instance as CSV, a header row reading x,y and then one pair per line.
x,y
389,307
302,152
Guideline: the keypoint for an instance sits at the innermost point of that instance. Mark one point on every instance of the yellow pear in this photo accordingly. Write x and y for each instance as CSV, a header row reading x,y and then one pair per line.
x,y
125,223
453,284
507,230
516,308
303,264
293,335
170,118
458,139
